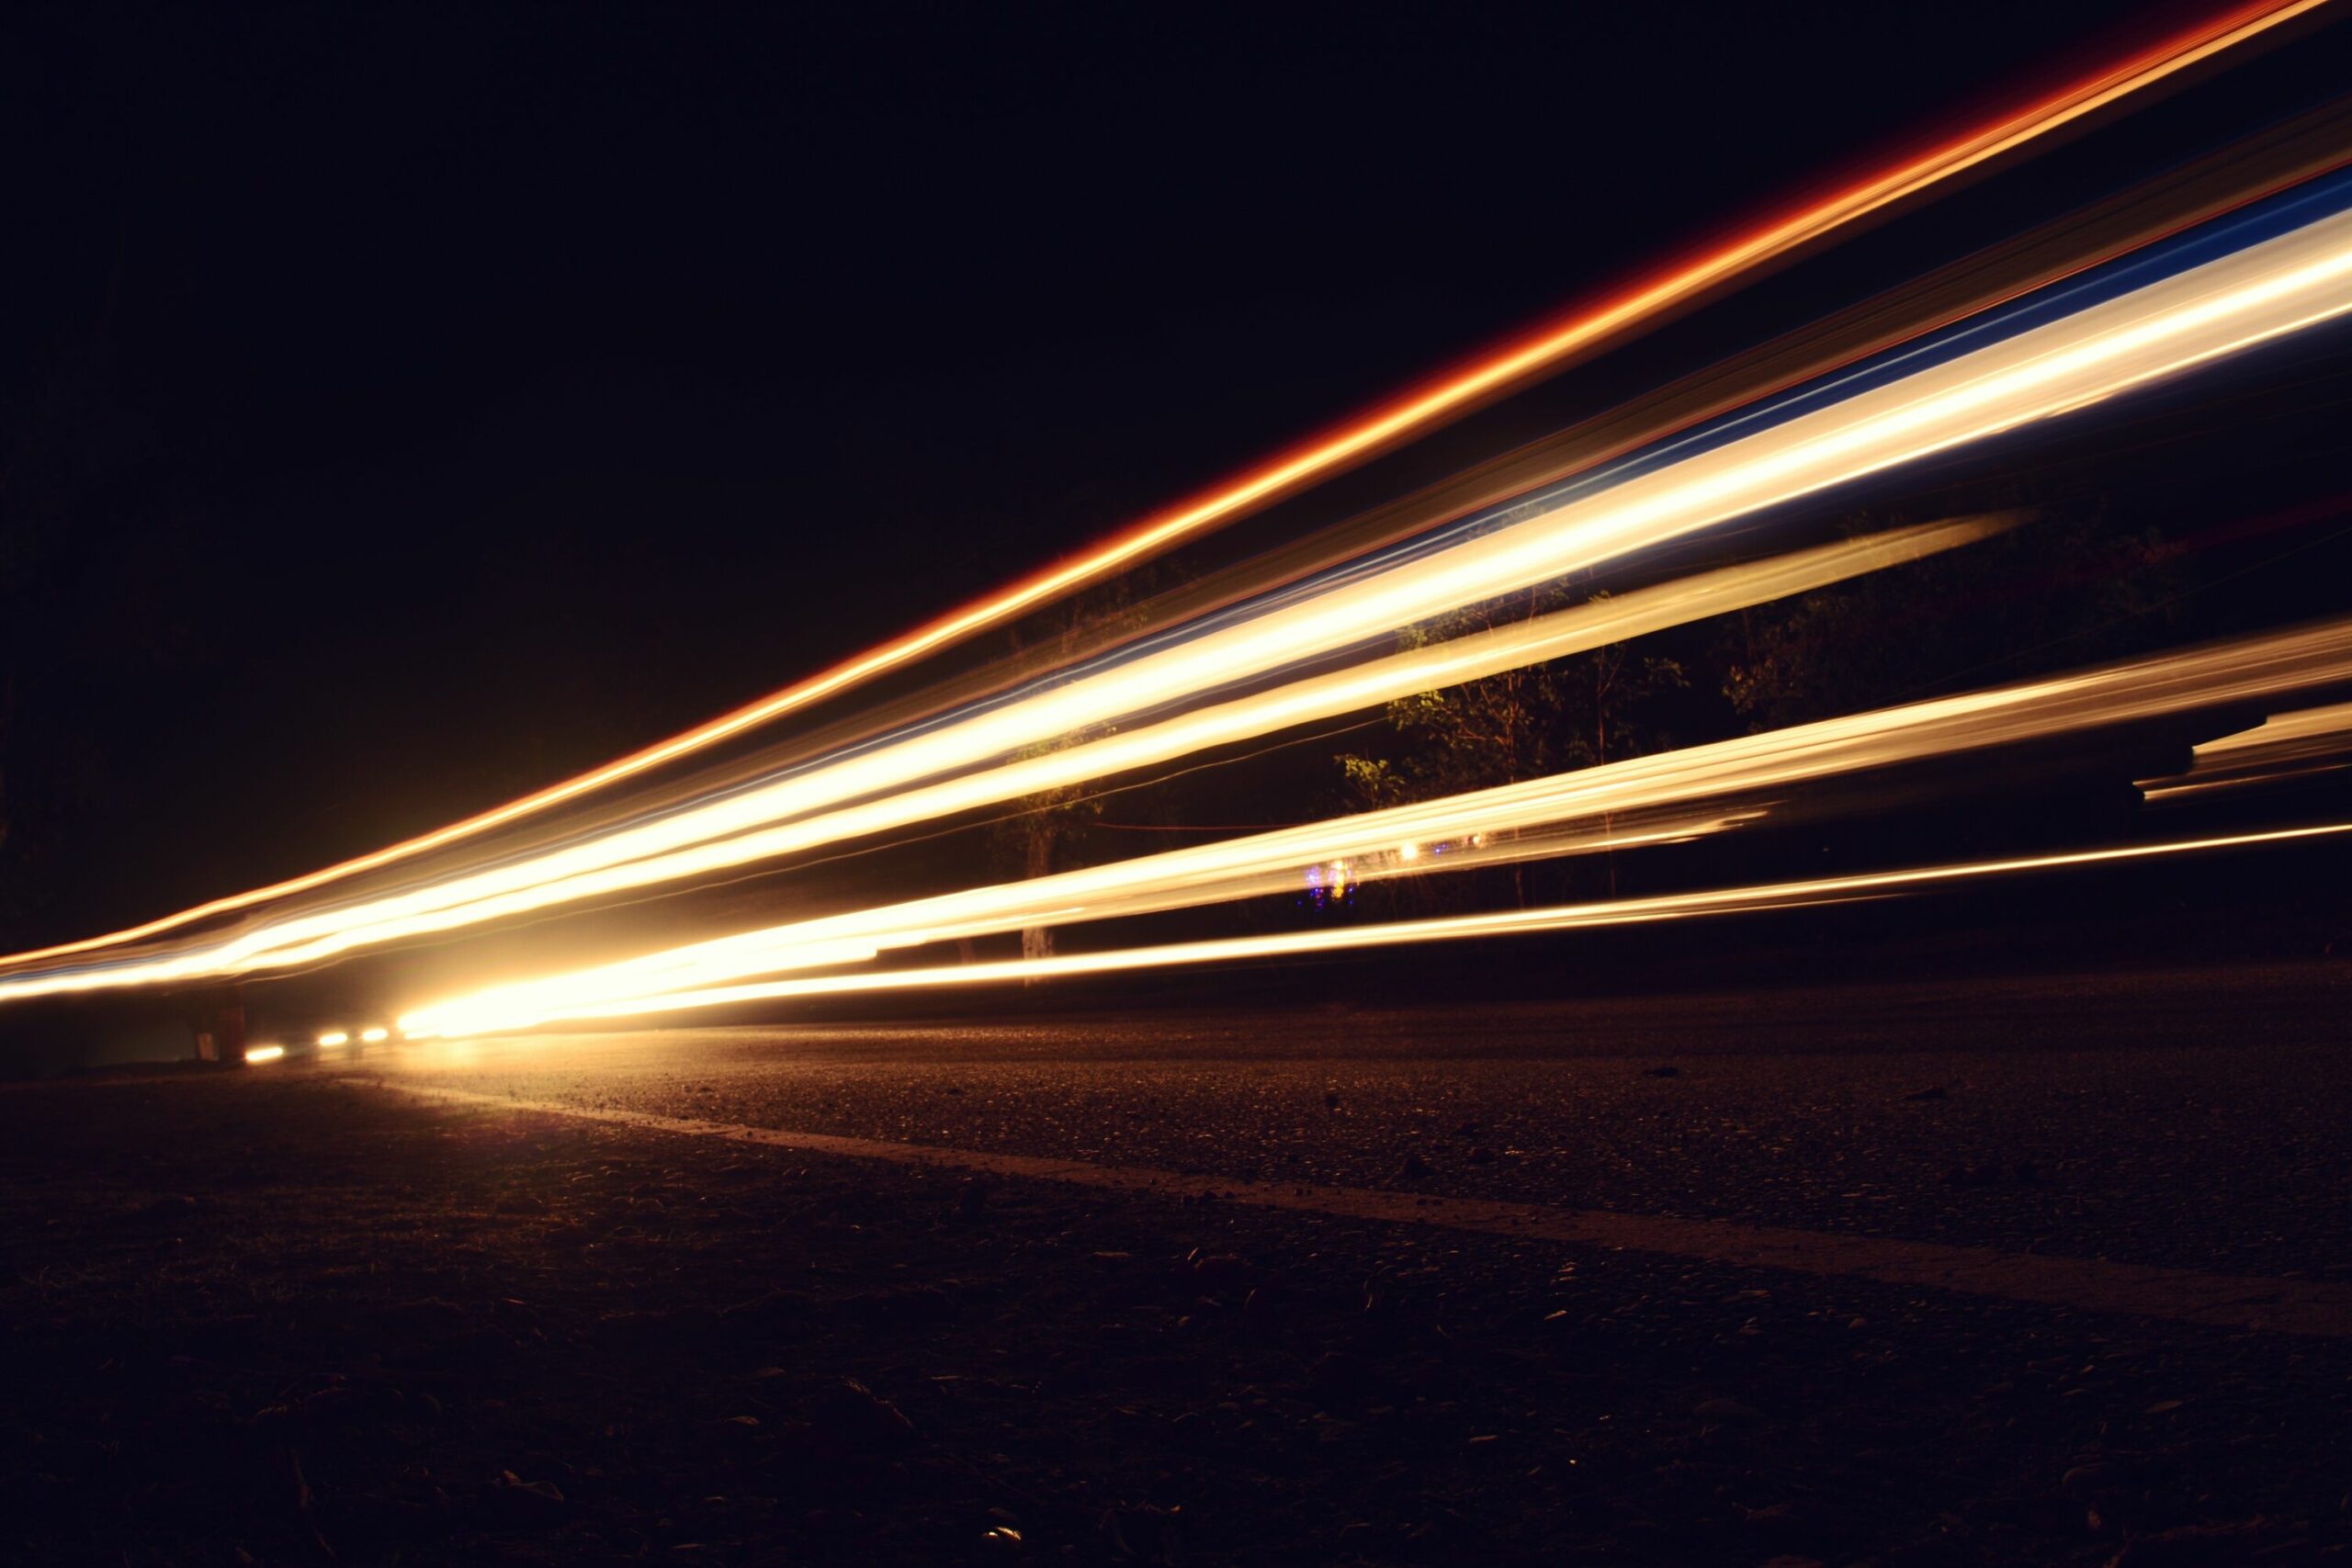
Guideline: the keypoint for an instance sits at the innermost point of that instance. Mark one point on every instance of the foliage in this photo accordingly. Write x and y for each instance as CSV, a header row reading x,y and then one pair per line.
x,y
1521,724
2068,588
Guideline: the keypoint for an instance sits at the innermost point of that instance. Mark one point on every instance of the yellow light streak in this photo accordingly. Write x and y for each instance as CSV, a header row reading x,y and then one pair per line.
x,y
1181,879
375,1036
1658,792
1615,317
2285,746
260,1053
2327,723
1453,927
1550,636
332,1038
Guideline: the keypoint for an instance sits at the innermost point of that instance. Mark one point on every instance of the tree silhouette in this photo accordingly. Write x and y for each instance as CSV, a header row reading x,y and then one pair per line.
x,y
1544,718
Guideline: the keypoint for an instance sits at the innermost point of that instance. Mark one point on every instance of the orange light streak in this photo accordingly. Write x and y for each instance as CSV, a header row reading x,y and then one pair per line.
x,y
1581,332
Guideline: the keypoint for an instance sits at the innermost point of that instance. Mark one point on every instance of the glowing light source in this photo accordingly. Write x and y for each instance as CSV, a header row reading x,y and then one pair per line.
x,y
332,1038
259,1054
375,1035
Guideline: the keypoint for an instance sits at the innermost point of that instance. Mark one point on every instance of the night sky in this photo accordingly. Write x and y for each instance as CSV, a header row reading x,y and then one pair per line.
x,y
405,406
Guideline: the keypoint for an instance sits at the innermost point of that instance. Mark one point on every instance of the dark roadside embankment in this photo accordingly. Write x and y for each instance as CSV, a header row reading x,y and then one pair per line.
x,y
287,1319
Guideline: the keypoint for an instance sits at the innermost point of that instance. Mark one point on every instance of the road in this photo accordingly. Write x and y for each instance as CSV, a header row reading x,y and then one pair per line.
x,y
2032,1270
2179,1118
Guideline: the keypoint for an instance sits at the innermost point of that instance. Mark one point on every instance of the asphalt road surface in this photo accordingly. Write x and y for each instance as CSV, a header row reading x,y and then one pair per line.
x,y
2180,1119
2018,1271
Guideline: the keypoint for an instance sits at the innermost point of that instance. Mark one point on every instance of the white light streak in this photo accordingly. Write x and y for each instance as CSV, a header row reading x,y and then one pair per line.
x,y
1456,928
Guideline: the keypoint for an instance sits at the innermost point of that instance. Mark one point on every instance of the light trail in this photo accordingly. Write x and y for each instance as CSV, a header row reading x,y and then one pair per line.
x,y
2257,169
1674,795
1581,333
2056,368
1551,635
2287,746
1919,405
1401,934
1220,875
